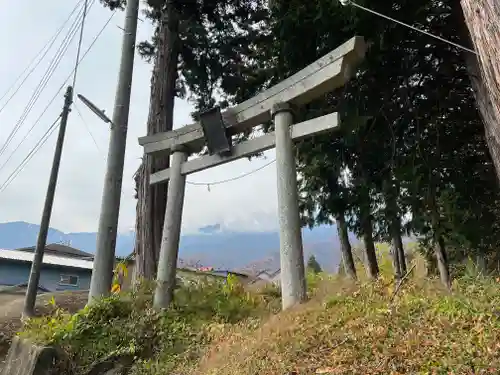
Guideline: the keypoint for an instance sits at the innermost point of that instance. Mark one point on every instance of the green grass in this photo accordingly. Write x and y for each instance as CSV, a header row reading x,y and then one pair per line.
x,y
345,328
126,328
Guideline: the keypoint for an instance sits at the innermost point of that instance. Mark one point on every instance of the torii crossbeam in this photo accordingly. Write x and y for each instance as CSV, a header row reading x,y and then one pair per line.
x,y
329,72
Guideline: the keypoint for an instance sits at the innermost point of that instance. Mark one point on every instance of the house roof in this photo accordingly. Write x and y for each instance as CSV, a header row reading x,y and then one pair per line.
x,y
268,273
235,273
54,260
62,250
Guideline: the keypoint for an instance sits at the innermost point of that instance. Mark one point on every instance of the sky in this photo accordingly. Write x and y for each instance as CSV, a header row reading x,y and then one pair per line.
x,y
247,204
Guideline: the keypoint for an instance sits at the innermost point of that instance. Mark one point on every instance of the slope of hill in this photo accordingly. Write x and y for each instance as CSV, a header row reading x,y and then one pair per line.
x,y
211,246
345,328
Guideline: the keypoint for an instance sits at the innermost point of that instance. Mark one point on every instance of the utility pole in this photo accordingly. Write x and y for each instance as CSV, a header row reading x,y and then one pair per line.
x,y
102,274
29,302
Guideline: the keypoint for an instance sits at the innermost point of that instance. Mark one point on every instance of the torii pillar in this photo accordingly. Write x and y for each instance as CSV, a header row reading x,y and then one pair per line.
x,y
293,283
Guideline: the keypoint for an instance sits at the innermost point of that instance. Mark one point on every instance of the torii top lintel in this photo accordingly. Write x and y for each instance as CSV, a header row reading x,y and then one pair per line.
x,y
322,76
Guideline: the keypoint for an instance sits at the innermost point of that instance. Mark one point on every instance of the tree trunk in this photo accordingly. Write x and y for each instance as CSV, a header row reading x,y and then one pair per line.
x,y
372,269
439,244
482,17
345,247
395,262
402,255
397,249
397,244
151,201
472,29
442,262
431,264
486,109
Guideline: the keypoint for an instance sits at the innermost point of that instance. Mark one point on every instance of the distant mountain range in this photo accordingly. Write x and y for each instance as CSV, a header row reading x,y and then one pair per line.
x,y
212,246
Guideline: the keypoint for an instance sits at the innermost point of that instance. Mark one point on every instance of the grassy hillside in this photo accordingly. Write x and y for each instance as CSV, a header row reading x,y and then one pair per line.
x,y
345,328
353,330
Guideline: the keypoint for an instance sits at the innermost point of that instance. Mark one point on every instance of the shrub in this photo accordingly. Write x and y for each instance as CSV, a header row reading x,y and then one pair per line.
x,y
126,325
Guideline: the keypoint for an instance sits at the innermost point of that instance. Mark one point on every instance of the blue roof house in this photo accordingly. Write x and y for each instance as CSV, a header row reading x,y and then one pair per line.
x,y
64,268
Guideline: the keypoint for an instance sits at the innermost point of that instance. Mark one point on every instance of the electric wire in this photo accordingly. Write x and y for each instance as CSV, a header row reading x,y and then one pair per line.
x,y
272,161
41,85
208,184
88,128
48,45
75,75
54,63
80,40
349,2
45,79
30,155
33,152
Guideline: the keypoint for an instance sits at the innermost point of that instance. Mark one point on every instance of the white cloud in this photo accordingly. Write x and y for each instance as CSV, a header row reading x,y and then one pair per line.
x,y
247,203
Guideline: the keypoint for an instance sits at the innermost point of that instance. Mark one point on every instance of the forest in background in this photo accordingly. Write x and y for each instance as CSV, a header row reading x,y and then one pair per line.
x,y
411,156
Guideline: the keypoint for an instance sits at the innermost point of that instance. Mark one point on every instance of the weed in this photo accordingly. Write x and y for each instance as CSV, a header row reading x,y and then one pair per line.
x,y
125,325
345,328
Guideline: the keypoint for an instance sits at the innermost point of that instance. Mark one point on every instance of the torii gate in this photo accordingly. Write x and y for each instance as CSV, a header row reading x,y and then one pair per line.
x,y
215,129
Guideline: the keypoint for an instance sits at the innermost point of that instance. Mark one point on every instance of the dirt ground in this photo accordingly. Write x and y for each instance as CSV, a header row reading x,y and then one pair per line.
x,y
11,307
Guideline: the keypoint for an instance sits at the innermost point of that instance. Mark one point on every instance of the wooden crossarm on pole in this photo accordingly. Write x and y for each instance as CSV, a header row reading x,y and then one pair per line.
x,y
304,129
324,75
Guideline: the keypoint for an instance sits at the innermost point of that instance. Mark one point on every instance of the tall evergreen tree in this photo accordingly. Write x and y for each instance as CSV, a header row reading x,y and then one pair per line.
x,y
200,48
313,265
423,150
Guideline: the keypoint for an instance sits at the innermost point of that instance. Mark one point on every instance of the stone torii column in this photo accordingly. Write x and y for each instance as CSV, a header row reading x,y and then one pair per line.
x,y
293,283
171,230
215,130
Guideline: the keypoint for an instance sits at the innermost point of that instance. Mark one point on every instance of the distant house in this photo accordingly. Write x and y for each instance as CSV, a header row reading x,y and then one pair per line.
x,y
63,268
272,277
205,269
243,277
61,250
186,274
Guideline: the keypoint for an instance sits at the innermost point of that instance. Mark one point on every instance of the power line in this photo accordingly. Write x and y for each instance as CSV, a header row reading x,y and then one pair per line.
x,y
349,2
80,39
76,71
87,127
75,75
30,155
41,86
3,187
54,97
44,81
48,45
208,184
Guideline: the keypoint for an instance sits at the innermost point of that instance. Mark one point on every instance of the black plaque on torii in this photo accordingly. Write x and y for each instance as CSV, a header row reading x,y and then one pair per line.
x,y
215,131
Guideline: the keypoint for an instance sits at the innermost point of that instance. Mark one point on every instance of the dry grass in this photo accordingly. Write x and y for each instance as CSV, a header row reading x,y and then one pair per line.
x,y
345,328
353,329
